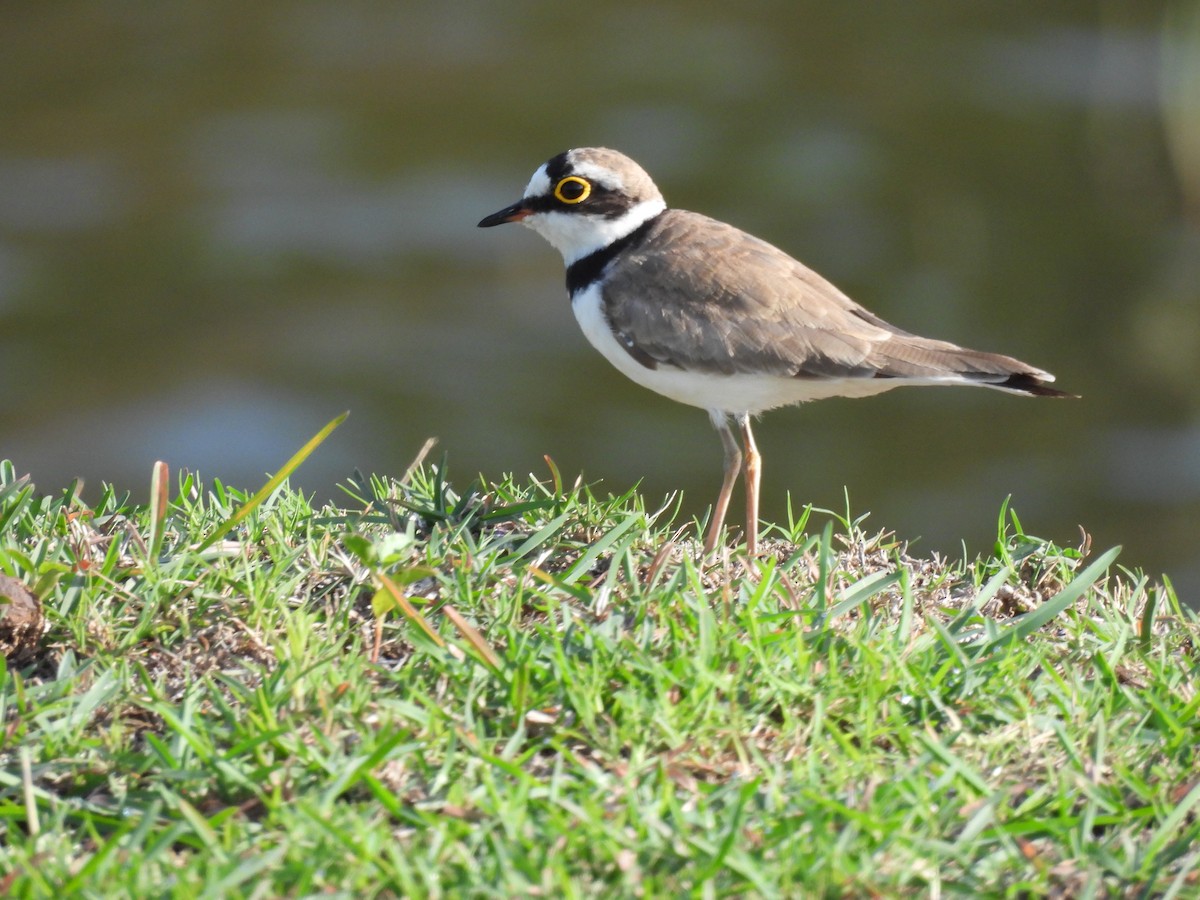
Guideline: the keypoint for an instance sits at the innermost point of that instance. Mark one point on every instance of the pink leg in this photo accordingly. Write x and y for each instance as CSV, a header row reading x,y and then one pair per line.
x,y
753,469
733,461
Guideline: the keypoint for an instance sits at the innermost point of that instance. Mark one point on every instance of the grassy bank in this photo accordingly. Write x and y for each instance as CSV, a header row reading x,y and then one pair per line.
x,y
525,688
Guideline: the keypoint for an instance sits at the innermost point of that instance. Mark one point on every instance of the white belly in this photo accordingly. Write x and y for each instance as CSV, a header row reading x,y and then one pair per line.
x,y
738,393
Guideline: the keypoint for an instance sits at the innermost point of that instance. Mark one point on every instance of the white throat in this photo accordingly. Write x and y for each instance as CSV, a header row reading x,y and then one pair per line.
x,y
575,235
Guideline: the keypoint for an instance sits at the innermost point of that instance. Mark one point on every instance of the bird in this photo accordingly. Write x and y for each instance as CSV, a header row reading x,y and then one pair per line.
x,y
711,316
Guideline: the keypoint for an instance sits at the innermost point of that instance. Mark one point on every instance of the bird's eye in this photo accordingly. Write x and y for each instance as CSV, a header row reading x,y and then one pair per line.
x,y
573,189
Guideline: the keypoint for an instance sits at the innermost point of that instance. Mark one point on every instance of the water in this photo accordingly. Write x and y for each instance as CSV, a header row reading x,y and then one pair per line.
x,y
218,231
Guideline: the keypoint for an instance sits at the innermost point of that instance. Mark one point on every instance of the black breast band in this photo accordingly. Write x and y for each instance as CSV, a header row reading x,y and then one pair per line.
x,y
583,272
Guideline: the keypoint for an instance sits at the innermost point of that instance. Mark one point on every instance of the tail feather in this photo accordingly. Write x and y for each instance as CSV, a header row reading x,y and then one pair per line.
x,y
915,357
1030,385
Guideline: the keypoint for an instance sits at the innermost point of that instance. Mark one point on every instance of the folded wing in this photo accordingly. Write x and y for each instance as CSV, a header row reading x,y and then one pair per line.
x,y
708,297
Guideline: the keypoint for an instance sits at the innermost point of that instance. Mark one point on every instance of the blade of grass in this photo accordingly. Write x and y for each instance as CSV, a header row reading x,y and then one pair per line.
x,y
904,626
825,561
1170,827
971,609
200,826
861,592
401,602
962,768
555,475
585,562
158,508
351,772
23,491
474,638
542,535
277,479
1031,622
430,443
1146,625
31,811
12,487
582,594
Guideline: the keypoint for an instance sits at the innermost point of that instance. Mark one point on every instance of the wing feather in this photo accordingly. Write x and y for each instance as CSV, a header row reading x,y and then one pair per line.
x,y
704,296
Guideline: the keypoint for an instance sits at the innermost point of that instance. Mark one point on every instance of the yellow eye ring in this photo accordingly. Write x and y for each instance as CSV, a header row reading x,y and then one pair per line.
x,y
576,189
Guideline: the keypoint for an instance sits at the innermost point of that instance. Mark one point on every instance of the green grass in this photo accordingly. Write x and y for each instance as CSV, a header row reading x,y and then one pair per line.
x,y
555,697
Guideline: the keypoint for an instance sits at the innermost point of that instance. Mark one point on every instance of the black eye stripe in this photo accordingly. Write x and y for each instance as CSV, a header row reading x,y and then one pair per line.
x,y
603,202
544,203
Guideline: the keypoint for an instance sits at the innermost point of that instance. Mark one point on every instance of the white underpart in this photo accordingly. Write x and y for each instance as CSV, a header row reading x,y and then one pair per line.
x,y
733,394
575,235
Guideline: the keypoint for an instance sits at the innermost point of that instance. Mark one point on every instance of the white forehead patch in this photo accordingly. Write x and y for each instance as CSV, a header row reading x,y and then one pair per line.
x,y
539,184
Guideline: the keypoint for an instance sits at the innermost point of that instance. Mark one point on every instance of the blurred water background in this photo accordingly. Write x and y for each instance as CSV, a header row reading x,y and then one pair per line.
x,y
221,224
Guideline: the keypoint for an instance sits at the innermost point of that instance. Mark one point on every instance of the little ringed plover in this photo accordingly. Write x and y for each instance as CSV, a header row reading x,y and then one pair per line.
x,y
711,316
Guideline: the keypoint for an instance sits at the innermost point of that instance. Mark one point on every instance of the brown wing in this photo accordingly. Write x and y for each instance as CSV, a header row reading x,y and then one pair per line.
x,y
702,295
